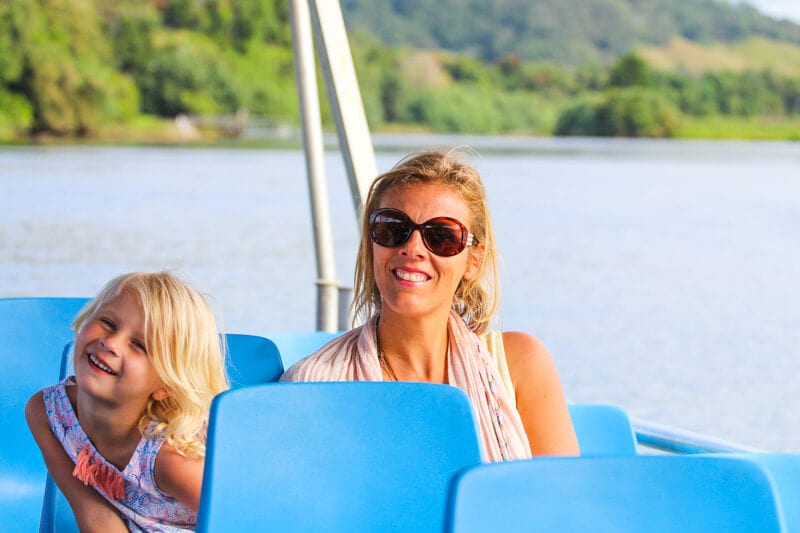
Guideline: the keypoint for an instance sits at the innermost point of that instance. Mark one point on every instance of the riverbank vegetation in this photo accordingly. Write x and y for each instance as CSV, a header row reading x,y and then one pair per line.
x,y
194,70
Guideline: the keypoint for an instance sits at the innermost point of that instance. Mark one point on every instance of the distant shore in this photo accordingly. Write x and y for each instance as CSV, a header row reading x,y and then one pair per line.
x,y
148,130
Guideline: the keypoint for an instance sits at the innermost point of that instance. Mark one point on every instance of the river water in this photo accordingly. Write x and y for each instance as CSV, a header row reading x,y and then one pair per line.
x,y
663,275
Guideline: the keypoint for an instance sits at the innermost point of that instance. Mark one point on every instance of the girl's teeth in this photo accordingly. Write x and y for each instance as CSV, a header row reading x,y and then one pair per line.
x,y
100,365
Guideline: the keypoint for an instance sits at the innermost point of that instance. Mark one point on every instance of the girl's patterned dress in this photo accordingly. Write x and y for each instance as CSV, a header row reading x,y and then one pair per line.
x,y
132,491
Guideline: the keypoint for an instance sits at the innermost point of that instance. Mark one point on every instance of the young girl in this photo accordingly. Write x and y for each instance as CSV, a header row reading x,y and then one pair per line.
x,y
148,361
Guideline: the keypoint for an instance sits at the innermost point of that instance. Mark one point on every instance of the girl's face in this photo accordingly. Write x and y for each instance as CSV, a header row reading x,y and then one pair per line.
x,y
412,280
111,360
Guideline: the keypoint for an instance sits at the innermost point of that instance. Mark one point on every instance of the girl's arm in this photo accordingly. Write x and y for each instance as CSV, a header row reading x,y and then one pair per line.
x,y
540,398
178,476
92,512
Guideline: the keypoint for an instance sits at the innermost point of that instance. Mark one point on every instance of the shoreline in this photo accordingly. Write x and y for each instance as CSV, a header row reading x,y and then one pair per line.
x,y
148,131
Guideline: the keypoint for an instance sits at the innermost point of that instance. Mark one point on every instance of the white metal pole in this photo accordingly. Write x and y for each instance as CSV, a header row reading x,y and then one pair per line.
x,y
344,97
305,74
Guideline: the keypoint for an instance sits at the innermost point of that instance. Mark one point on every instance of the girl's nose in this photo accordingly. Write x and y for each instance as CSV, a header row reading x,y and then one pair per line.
x,y
110,343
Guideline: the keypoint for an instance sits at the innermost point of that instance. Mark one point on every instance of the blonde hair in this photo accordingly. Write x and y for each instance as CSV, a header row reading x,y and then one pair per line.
x,y
185,348
475,300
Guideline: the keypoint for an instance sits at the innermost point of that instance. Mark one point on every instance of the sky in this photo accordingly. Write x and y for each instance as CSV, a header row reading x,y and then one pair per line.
x,y
778,8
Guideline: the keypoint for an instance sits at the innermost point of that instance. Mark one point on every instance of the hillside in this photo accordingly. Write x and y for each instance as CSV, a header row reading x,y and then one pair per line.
x,y
567,32
91,68
754,53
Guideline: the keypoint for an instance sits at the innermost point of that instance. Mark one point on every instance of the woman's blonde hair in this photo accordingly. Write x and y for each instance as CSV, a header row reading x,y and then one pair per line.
x,y
185,348
475,300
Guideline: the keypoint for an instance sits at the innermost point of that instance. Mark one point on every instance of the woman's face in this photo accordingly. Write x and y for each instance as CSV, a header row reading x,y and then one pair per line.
x,y
412,280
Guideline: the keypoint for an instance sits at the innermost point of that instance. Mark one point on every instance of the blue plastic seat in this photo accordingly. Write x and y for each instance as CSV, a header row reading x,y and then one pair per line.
x,y
251,360
683,493
350,456
33,332
603,430
784,473
295,346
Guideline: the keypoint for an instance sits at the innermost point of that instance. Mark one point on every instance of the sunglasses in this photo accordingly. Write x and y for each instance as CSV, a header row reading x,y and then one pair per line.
x,y
444,236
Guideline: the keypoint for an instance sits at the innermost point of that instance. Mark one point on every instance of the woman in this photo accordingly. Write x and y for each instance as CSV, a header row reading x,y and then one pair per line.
x,y
425,278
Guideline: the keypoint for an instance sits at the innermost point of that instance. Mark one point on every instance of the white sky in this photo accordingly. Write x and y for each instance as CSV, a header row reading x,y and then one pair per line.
x,y
777,8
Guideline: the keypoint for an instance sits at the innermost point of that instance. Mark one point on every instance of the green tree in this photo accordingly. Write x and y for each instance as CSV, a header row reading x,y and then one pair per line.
x,y
188,74
630,71
578,119
131,26
63,66
16,115
636,112
626,112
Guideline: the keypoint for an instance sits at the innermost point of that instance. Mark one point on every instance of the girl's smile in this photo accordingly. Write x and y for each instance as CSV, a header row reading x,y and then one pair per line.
x,y
99,363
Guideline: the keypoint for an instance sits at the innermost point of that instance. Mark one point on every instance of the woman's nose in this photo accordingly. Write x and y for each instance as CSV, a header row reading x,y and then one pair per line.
x,y
415,245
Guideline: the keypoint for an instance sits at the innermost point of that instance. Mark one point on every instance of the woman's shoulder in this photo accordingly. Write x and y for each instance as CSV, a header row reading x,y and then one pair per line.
x,y
527,356
326,364
522,343
298,371
319,366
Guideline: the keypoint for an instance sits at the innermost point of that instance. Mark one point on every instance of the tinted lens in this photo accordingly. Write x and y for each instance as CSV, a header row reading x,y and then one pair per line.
x,y
444,236
389,228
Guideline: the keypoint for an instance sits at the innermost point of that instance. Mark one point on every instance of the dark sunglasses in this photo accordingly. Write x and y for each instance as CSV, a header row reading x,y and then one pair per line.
x,y
444,236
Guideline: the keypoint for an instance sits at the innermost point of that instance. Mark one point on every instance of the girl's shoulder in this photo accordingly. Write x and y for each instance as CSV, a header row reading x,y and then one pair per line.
x,y
179,476
59,402
34,411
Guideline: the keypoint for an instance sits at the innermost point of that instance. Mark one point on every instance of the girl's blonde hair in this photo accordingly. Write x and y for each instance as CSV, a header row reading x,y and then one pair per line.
x,y
475,300
185,348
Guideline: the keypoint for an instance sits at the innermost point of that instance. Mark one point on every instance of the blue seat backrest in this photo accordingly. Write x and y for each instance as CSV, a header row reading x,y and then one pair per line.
x,y
295,346
635,493
603,430
251,360
784,471
33,332
350,456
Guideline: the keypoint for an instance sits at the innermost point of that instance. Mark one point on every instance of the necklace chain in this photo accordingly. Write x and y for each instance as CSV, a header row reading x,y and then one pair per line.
x,y
382,356
385,364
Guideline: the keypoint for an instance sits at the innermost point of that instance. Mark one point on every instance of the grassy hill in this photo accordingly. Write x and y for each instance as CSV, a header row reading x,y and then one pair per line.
x,y
566,32
574,67
754,53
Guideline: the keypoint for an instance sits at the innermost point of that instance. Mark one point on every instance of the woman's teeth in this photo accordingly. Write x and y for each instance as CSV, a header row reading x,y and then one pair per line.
x,y
410,276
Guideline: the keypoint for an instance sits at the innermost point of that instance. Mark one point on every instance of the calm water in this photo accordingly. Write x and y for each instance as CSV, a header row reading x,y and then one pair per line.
x,y
663,276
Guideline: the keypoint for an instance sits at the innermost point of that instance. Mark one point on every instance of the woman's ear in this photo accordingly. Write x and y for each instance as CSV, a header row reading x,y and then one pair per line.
x,y
474,262
160,394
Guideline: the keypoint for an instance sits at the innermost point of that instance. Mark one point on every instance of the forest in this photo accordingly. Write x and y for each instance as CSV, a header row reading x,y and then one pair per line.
x,y
559,31
92,69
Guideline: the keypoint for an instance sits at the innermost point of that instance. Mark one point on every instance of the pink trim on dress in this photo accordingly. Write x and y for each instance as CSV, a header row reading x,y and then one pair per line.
x,y
98,475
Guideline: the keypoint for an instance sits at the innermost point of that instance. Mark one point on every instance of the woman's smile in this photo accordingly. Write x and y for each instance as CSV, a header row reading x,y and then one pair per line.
x,y
410,276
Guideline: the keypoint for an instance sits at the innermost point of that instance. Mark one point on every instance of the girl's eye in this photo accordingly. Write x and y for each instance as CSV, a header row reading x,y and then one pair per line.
x,y
139,345
107,322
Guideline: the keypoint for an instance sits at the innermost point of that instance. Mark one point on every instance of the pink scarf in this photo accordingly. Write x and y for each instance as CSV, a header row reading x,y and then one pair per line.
x,y
470,367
